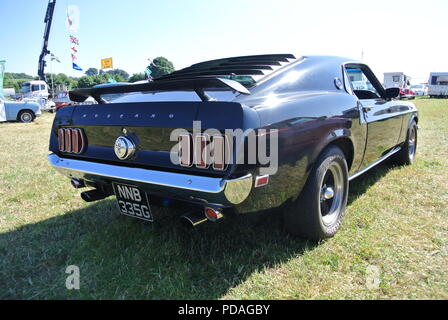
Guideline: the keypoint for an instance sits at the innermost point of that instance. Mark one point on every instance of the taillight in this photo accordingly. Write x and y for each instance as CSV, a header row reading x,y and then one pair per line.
x,y
219,152
198,153
185,150
201,154
71,140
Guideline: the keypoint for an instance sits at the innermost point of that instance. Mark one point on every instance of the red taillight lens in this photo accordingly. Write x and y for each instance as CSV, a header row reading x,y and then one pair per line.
x,y
201,152
61,140
71,140
197,152
219,152
185,150
212,214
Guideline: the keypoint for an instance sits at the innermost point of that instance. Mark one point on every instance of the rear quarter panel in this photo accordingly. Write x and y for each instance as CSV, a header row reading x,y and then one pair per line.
x,y
306,124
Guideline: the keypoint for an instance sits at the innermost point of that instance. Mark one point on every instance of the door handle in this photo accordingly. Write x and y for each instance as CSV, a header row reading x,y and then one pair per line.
x,y
366,109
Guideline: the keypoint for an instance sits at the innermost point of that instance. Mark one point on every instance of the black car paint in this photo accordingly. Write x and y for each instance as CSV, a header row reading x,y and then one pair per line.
x,y
309,113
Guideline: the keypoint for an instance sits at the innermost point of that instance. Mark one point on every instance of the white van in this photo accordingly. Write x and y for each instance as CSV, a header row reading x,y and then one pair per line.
x,y
438,84
396,80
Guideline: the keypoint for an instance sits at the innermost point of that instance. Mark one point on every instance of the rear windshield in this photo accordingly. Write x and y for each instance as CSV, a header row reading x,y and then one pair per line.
x,y
173,96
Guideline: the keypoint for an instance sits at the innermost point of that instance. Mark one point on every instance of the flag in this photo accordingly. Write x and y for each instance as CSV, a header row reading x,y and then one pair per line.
x,y
73,18
74,40
76,67
54,58
73,26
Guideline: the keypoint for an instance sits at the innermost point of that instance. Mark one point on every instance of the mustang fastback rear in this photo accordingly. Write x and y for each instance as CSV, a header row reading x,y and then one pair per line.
x,y
237,135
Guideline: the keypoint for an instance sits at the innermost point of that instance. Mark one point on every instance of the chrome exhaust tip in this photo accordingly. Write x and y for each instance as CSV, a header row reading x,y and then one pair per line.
x,y
193,219
93,195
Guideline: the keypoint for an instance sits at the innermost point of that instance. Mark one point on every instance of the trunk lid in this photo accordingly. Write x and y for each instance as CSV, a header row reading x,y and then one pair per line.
x,y
150,123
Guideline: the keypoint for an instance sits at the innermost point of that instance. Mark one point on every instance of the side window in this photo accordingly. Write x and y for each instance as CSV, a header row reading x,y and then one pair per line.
x,y
35,87
362,86
396,78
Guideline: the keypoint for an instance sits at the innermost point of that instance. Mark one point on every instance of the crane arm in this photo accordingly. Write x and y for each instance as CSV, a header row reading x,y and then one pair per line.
x,y
48,19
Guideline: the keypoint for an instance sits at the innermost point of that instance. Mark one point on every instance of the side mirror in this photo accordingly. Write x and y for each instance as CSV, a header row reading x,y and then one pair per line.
x,y
392,93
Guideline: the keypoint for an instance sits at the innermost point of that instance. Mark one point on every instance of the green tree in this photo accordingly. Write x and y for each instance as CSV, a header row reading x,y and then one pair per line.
x,y
116,72
137,77
91,72
85,82
90,81
160,67
60,81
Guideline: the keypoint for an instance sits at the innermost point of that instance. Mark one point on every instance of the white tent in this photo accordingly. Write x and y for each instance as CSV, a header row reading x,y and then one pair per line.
x,y
2,111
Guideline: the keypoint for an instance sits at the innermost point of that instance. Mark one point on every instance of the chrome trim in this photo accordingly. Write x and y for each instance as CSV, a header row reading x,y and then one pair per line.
x,y
327,193
124,147
387,155
218,191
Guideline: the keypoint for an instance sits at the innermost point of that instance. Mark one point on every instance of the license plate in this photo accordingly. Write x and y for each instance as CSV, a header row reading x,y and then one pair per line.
x,y
132,201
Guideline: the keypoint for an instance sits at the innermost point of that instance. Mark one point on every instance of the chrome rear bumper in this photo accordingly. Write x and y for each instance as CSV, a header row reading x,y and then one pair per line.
x,y
198,189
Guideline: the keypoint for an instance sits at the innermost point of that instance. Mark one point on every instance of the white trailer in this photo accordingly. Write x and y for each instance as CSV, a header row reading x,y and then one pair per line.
x,y
438,84
396,80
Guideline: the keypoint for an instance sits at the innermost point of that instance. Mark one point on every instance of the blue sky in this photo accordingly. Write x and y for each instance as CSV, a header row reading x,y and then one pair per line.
x,y
407,36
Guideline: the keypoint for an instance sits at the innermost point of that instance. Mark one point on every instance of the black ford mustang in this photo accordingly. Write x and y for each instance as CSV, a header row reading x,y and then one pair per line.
x,y
237,135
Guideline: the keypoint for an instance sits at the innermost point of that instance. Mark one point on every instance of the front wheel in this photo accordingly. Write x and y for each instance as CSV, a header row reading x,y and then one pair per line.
x,y
26,116
318,211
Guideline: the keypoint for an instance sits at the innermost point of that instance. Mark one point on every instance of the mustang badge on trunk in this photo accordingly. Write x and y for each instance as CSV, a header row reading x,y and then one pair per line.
x,y
124,148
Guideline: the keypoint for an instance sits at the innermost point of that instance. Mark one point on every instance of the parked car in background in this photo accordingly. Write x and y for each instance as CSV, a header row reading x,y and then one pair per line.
x,y
25,111
419,90
322,134
438,84
407,94
62,100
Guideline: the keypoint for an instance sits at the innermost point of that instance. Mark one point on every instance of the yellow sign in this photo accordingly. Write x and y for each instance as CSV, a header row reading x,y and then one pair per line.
x,y
106,63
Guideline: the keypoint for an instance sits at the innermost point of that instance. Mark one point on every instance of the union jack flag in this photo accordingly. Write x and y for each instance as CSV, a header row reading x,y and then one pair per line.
x,y
74,58
74,49
74,40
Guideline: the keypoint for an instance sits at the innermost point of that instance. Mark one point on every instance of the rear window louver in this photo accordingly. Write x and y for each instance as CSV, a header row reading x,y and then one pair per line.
x,y
246,70
236,74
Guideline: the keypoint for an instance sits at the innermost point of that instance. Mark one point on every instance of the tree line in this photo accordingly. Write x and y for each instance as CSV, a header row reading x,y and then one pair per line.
x,y
159,67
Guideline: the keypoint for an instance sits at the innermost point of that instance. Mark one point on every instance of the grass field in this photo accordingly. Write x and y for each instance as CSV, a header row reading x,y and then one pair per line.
x,y
396,224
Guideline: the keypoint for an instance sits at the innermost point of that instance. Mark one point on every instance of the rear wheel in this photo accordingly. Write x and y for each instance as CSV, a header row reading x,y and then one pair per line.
x,y
26,116
318,211
406,155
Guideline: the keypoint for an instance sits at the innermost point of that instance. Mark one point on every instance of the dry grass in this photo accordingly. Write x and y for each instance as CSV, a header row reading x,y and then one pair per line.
x,y
396,220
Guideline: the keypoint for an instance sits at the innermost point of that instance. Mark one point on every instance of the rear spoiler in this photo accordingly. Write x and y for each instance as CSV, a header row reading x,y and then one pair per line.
x,y
199,85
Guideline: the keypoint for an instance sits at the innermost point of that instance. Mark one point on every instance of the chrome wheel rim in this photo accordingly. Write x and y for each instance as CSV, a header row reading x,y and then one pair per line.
x,y
331,194
412,143
25,117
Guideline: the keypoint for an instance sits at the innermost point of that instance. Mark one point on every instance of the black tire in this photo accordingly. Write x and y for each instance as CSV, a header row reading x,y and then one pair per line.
x,y
318,211
26,116
406,155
